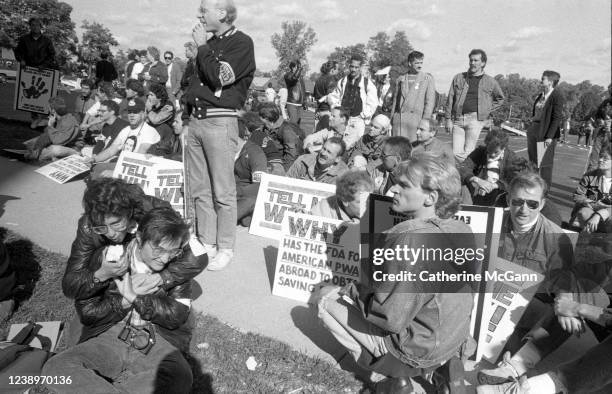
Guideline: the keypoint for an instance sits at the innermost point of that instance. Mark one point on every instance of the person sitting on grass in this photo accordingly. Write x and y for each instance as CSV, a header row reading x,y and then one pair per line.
x,y
418,326
394,150
61,137
484,169
347,204
593,197
369,147
134,331
113,209
428,142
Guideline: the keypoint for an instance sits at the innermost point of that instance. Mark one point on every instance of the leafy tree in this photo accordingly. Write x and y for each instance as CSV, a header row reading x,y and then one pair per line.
x,y
587,105
294,42
343,54
520,94
55,15
314,76
96,40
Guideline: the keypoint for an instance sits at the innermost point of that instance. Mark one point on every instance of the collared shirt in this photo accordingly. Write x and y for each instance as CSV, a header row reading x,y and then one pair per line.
x,y
304,168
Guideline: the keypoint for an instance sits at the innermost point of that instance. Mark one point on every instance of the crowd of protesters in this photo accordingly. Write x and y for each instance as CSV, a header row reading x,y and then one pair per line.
x,y
133,258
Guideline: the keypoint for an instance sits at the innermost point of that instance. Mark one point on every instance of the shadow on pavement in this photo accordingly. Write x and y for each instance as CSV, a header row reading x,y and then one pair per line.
x,y
3,200
270,254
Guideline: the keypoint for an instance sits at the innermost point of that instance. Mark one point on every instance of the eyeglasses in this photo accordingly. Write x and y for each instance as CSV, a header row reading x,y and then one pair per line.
x,y
118,227
519,202
172,254
167,58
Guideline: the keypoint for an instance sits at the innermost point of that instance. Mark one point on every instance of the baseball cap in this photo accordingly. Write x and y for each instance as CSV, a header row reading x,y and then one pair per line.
x,y
135,106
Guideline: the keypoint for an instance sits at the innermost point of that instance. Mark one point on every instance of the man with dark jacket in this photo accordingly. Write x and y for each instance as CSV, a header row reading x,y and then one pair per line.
x,y
279,139
35,49
296,99
547,117
225,66
134,331
105,70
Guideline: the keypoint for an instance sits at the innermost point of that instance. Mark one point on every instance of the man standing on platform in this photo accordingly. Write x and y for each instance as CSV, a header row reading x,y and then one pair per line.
x,y
472,97
414,98
225,65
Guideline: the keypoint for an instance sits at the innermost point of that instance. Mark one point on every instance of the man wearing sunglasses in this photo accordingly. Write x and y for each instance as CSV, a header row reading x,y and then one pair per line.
x,y
175,74
134,334
533,241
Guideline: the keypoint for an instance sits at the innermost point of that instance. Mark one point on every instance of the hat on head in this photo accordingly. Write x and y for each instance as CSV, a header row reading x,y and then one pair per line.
x,y
135,106
384,71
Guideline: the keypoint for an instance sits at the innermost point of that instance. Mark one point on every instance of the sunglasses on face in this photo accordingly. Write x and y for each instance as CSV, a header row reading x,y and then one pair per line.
x,y
168,58
519,202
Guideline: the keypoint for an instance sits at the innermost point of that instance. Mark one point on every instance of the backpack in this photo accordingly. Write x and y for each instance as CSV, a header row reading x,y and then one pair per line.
x,y
19,360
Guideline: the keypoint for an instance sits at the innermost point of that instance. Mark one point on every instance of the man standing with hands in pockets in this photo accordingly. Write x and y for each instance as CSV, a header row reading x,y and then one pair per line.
x,y
225,65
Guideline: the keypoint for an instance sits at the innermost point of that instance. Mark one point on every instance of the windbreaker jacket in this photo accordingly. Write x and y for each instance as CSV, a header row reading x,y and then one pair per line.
x,y
490,96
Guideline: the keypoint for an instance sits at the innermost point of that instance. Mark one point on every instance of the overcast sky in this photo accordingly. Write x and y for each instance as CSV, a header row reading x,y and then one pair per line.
x,y
519,36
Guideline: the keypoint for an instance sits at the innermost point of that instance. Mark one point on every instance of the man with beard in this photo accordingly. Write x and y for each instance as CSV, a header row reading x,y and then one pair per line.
x,y
324,166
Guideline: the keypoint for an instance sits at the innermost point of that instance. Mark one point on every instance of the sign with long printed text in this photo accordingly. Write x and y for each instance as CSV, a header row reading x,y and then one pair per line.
x,y
63,170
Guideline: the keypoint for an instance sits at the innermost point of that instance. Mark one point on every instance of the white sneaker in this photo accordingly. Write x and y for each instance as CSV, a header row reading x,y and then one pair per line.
x,y
223,258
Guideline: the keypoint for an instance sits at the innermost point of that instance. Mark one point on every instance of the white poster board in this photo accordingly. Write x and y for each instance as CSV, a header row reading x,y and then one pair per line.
x,y
158,177
315,251
279,195
135,168
34,87
167,184
63,170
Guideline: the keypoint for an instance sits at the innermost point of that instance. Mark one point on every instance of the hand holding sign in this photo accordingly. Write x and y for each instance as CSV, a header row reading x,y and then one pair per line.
x,y
36,89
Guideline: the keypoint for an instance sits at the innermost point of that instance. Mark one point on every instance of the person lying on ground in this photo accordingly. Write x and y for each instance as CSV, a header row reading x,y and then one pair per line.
x,y
61,137
593,197
369,147
394,151
134,332
348,204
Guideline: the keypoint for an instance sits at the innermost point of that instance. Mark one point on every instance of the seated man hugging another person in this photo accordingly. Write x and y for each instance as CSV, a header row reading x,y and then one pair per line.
x,y
134,332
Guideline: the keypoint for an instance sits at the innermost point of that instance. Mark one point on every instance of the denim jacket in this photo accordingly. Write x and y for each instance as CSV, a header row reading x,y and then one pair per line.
x,y
424,328
490,96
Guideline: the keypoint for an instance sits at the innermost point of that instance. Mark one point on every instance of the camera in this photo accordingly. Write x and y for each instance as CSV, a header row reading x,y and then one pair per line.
x,y
141,339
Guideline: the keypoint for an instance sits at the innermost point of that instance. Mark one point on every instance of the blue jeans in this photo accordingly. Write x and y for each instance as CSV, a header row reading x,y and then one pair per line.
x,y
94,362
211,147
466,130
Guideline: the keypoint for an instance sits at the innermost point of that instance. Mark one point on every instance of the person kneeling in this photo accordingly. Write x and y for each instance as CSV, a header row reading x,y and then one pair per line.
x,y
134,333
413,324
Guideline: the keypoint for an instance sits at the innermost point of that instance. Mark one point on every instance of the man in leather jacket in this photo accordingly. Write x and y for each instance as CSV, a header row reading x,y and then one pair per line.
x,y
134,331
112,210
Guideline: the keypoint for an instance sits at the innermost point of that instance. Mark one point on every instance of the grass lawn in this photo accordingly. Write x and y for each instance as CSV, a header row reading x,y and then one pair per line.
x,y
13,133
218,352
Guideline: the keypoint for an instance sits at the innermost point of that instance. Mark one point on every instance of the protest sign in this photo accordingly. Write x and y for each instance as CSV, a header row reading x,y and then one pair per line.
x,y
135,168
505,303
167,184
279,195
485,222
34,87
315,251
158,177
63,170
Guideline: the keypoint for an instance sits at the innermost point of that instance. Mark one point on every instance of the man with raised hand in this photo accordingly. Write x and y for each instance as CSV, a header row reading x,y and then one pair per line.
x,y
225,65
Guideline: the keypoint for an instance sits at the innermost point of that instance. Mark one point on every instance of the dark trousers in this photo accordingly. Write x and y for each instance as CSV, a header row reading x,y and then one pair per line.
x,y
245,200
547,162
